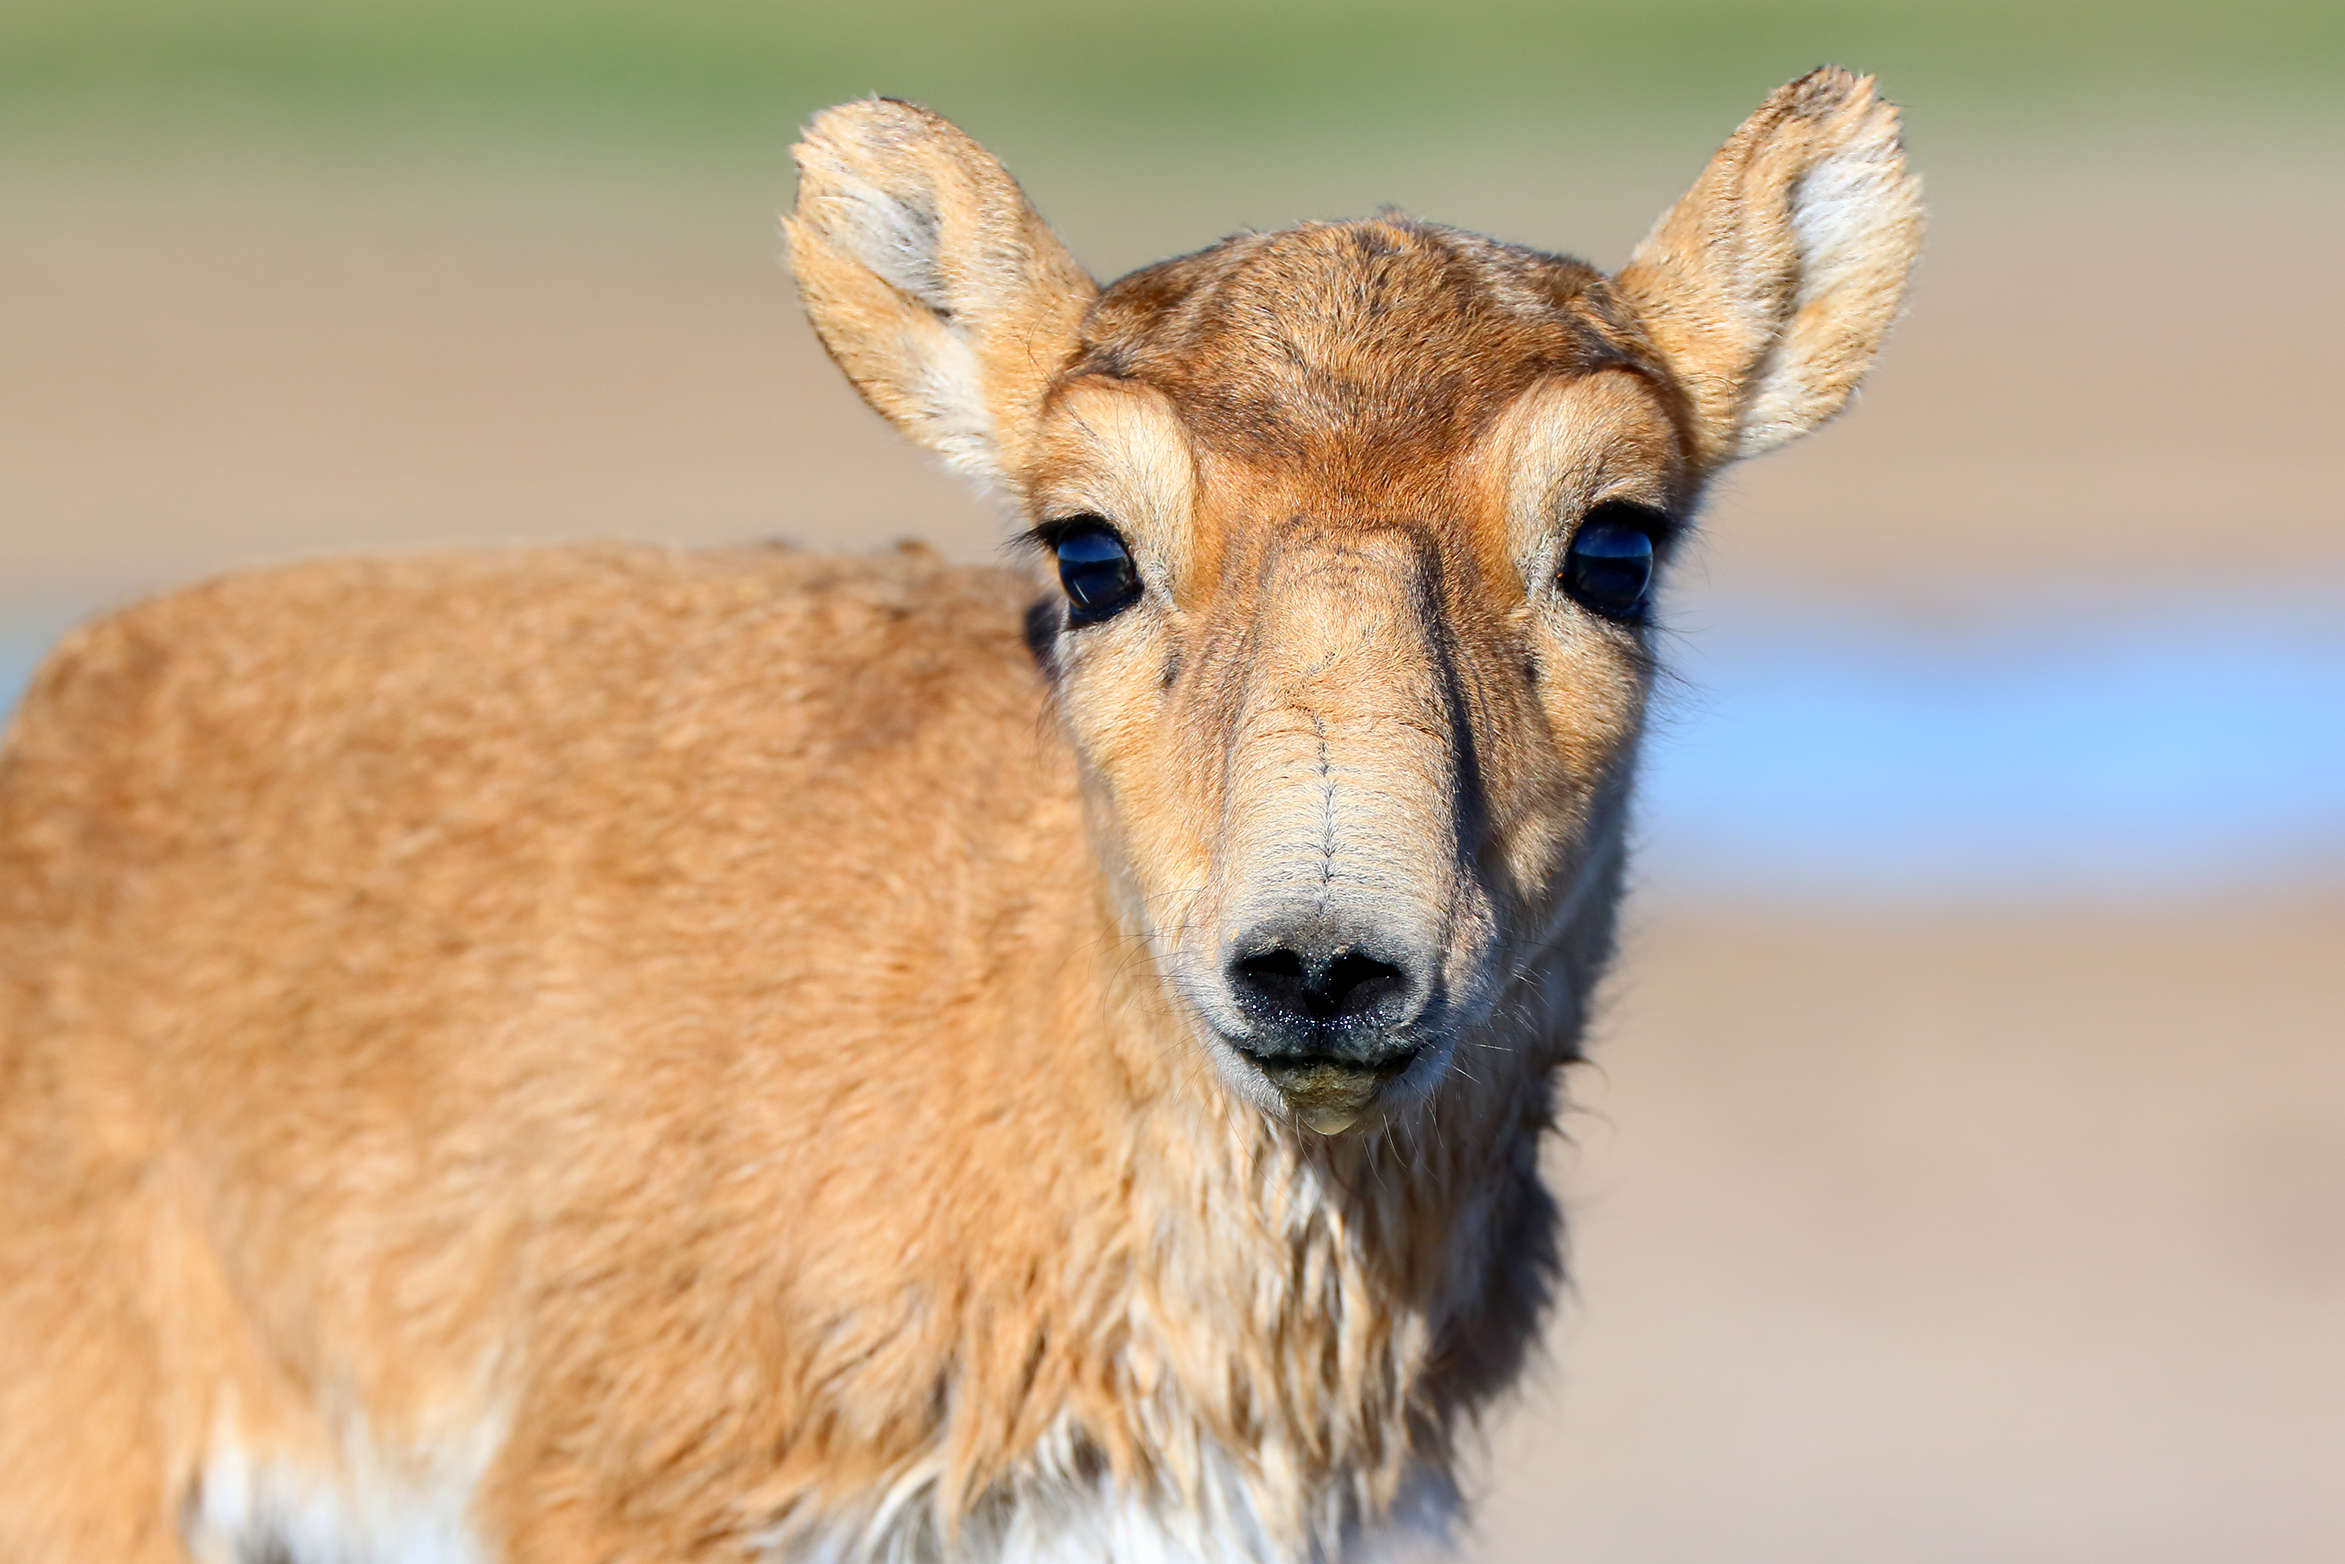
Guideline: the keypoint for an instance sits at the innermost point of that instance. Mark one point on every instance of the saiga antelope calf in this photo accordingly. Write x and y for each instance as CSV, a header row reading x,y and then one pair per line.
x,y
611,1054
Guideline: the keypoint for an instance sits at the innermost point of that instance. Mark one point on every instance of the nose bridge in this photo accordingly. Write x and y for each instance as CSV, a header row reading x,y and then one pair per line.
x,y
1346,628
1343,774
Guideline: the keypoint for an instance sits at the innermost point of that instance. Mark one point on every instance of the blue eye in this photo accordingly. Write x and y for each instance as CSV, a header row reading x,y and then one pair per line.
x,y
1609,566
1096,569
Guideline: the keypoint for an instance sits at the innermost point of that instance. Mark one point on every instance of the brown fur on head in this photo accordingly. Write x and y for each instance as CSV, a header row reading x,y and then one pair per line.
x,y
1355,757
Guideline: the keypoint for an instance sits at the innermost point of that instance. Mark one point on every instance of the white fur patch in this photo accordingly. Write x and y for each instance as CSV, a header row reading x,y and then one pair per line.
x,y
1070,1520
1847,212
954,420
381,1507
1838,210
896,239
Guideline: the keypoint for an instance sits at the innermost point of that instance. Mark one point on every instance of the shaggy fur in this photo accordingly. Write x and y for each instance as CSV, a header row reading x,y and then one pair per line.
x,y
614,1054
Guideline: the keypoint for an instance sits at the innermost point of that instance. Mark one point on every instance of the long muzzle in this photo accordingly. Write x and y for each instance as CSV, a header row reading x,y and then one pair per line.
x,y
1346,812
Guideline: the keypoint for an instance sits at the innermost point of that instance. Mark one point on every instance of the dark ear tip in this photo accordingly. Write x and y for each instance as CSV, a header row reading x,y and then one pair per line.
x,y
1831,90
1830,85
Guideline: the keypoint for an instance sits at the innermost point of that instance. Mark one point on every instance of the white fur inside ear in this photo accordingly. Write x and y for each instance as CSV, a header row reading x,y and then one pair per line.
x,y
932,281
953,419
1852,214
895,237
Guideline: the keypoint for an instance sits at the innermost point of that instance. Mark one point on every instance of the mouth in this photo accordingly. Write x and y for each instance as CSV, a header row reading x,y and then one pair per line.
x,y
1326,1093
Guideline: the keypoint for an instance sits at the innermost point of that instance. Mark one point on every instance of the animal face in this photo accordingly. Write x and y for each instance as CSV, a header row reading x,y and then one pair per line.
x,y
1352,740
1351,533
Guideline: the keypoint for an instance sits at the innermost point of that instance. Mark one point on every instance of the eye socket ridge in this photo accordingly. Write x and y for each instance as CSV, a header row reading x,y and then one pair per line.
x,y
1095,566
1608,564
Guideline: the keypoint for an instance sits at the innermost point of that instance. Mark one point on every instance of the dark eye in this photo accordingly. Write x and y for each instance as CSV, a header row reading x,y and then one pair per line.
x,y
1096,569
1609,566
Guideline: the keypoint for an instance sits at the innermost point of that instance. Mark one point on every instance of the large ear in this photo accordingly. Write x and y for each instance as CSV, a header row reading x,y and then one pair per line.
x,y
932,282
1770,284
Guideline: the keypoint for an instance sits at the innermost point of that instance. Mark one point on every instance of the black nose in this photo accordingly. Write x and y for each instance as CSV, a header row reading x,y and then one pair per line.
x,y
1331,998
1291,988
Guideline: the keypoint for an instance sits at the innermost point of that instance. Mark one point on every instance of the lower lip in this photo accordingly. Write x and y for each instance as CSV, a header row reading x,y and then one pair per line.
x,y
1327,1096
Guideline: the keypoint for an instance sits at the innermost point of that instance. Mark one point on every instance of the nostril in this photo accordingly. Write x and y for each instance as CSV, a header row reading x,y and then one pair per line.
x,y
1281,965
1356,985
1275,977
1349,986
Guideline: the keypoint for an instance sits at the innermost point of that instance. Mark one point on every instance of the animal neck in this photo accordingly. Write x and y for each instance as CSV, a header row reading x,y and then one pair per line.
x,y
1308,1318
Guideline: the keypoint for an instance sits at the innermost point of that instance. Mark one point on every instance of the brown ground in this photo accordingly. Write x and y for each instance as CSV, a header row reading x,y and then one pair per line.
x,y
1942,1244
2009,1240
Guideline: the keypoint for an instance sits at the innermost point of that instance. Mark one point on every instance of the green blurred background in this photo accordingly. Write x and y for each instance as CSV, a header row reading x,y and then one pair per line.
x,y
1372,102
1123,73
1962,1175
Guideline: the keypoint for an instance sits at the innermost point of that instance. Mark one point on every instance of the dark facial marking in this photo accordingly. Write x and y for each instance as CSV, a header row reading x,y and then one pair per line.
x,y
1042,634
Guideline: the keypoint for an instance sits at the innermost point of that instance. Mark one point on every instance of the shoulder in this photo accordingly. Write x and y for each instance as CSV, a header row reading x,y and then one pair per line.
x,y
537,650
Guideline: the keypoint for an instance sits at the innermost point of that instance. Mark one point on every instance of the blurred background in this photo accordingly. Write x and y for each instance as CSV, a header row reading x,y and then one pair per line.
x,y
1961,1173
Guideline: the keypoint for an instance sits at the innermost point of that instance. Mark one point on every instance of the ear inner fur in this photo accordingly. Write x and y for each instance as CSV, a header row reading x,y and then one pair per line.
x,y
1771,283
932,282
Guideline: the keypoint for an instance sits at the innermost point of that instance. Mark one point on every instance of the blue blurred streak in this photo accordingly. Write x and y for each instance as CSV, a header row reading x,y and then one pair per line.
x,y
2167,755
2173,753
19,651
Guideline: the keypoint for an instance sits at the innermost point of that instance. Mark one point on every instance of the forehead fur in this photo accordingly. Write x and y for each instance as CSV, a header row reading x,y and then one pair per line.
x,y
1383,337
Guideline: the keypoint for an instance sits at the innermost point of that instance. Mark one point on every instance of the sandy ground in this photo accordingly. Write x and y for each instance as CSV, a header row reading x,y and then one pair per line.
x,y
2018,1239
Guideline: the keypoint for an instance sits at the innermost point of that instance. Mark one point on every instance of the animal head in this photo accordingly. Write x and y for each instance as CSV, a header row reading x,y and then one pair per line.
x,y
1350,535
